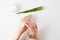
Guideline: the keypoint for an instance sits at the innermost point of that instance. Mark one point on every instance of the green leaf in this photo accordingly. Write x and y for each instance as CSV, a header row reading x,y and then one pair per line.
x,y
32,10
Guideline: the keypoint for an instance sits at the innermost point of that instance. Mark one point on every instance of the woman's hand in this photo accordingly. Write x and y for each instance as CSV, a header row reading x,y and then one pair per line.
x,y
33,28
21,30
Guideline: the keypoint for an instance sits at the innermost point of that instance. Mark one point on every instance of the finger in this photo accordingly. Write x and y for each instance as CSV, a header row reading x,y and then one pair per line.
x,y
23,29
30,26
35,25
32,29
27,22
29,35
26,18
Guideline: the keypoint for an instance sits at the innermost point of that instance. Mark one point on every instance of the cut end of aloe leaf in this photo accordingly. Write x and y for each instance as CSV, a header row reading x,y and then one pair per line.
x,y
32,10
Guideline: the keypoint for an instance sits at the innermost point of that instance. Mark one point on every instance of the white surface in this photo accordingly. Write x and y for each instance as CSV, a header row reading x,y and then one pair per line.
x,y
48,20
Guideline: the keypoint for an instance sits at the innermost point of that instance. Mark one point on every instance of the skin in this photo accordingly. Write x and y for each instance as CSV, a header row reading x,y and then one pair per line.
x,y
33,30
28,25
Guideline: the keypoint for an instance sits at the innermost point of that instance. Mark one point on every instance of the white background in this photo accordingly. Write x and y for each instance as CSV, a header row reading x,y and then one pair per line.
x,y
48,20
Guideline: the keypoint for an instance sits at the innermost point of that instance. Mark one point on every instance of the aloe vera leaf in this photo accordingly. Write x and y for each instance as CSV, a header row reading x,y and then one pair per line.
x,y
32,10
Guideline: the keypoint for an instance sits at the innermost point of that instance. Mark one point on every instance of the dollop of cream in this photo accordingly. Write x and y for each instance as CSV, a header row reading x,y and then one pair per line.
x,y
14,8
